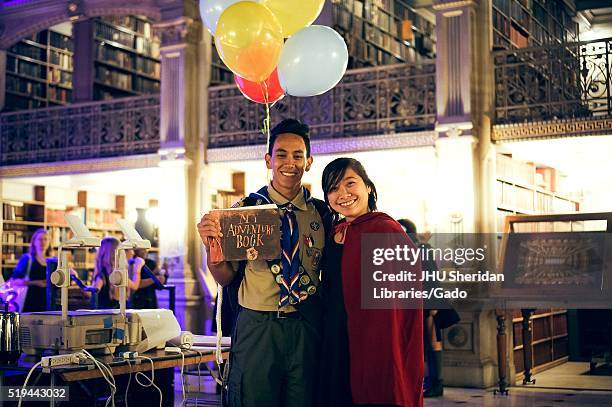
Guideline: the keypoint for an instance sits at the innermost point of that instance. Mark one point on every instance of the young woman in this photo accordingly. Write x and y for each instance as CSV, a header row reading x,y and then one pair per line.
x,y
31,271
108,295
371,356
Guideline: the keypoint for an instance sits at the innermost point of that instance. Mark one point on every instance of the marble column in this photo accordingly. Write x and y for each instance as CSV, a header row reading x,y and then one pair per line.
x,y
181,160
466,169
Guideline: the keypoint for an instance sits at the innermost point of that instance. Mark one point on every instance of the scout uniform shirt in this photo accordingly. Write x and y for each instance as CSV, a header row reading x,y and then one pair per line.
x,y
259,290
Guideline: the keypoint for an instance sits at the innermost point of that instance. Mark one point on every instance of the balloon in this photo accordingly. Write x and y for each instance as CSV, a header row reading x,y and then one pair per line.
x,y
294,14
256,92
249,40
312,62
211,10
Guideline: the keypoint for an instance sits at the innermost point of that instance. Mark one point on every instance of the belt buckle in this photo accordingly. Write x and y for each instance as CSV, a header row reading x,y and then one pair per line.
x,y
279,315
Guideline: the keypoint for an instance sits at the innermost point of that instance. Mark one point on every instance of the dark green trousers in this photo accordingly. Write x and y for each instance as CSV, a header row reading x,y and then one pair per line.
x,y
273,362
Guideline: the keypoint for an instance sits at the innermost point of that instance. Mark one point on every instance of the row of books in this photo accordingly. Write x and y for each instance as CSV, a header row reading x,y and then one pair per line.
x,y
109,33
115,56
60,41
114,78
105,218
132,23
58,76
60,95
22,67
10,237
148,66
60,59
13,212
28,50
513,196
516,170
25,86
145,85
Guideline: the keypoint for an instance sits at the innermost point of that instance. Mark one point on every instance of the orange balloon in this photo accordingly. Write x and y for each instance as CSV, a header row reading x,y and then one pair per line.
x,y
249,40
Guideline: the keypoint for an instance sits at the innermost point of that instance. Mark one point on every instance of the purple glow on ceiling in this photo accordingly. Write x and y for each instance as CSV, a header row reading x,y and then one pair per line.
x,y
11,3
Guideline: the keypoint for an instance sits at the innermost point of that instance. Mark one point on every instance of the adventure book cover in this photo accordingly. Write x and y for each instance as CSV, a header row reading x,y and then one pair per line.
x,y
251,233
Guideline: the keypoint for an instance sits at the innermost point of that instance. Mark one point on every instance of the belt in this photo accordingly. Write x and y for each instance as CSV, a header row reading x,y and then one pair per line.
x,y
279,314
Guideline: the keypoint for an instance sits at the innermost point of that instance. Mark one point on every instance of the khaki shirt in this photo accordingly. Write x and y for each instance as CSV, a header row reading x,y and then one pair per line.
x,y
259,290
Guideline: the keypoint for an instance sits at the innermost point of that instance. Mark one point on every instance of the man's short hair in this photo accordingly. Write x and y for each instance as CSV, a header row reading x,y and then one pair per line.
x,y
292,126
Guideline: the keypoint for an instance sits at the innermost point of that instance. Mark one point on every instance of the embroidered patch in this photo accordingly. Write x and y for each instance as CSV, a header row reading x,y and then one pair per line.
x,y
308,240
315,225
316,258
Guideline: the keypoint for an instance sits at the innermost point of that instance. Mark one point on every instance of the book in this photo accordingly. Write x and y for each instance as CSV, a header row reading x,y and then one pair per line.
x,y
251,233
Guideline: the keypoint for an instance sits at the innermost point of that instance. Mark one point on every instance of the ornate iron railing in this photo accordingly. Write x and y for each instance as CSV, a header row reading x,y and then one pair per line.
x,y
88,130
560,81
368,101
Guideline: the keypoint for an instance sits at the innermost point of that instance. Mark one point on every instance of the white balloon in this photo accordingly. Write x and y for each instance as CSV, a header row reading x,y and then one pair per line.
x,y
211,10
313,61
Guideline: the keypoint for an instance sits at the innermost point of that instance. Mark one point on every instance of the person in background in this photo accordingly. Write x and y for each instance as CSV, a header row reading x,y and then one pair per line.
x,y
370,356
434,320
108,295
31,271
144,297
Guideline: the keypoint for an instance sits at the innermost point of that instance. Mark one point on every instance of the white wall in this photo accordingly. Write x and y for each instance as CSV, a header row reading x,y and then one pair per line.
x,y
138,187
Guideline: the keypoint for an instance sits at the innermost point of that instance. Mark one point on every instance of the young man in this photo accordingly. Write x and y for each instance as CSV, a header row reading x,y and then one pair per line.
x,y
273,358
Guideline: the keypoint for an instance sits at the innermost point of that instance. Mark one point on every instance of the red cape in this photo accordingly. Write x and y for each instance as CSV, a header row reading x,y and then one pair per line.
x,y
385,345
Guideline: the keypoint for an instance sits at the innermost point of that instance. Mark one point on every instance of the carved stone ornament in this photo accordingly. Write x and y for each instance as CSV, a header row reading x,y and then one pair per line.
x,y
178,31
74,8
448,4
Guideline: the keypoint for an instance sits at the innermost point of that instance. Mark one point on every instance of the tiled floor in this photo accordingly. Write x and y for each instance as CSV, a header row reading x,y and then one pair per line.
x,y
573,389
522,397
573,375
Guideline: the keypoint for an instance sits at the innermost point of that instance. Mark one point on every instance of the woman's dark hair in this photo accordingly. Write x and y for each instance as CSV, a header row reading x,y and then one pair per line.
x,y
410,228
334,172
408,225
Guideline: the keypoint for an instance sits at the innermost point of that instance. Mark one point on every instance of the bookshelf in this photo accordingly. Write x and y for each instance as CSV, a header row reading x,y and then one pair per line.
x,y
522,188
39,69
549,342
376,32
380,32
127,57
527,23
21,218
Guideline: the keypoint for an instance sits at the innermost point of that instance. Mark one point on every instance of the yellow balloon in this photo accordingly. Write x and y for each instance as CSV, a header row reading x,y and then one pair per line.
x,y
249,40
294,14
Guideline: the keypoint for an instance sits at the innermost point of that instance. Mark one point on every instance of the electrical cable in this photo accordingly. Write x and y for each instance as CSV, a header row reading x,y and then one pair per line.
x,y
128,383
105,370
26,382
151,379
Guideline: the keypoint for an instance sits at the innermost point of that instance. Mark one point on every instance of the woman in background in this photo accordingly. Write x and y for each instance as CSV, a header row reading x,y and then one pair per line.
x,y
371,356
108,295
31,271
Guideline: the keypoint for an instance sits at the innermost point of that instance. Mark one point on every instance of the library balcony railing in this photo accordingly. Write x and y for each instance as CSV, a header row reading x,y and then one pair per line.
x,y
561,81
368,101
112,128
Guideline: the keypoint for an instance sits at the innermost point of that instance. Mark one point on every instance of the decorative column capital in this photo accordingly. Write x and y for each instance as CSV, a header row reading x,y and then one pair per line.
x,y
178,31
446,5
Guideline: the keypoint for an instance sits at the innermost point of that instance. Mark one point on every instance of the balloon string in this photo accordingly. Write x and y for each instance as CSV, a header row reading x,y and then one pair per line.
x,y
266,122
